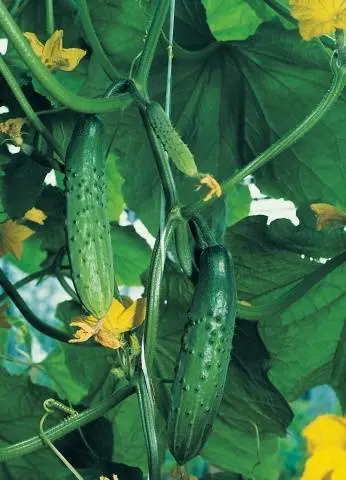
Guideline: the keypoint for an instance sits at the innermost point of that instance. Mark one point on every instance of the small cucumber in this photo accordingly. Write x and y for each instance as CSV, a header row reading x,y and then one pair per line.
x,y
88,230
177,150
204,357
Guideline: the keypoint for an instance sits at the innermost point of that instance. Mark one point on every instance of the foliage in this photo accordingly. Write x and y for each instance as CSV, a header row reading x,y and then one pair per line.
x,y
242,78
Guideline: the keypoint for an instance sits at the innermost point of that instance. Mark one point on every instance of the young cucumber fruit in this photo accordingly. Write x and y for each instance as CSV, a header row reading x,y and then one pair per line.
x,y
177,150
88,231
204,356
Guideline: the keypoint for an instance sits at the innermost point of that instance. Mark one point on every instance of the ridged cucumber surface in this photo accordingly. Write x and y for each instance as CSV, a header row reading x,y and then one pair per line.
x,y
88,230
204,356
177,150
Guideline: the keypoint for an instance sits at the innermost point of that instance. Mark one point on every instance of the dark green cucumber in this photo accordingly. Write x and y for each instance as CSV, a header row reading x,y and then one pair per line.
x,y
88,230
204,356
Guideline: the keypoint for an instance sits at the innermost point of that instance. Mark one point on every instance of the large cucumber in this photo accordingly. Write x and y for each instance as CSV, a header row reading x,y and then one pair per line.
x,y
204,356
88,230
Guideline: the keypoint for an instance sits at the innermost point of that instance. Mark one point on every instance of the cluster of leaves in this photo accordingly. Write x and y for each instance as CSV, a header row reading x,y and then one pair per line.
x,y
242,77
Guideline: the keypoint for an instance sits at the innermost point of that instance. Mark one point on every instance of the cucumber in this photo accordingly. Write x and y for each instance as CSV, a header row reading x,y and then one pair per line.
x,y
87,224
204,356
171,141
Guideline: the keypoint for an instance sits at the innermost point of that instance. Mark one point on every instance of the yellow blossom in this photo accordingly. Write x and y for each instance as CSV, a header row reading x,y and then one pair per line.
x,y
212,184
13,128
318,17
35,215
326,463
12,236
114,477
326,438
327,214
326,431
52,53
108,331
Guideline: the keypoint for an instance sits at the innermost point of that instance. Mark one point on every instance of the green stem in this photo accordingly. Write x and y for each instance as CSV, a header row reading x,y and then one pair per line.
x,y
28,279
259,312
162,163
147,413
28,110
201,232
29,314
147,56
284,142
95,43
284,12
89,415
48,81
153,286
182,247
50,24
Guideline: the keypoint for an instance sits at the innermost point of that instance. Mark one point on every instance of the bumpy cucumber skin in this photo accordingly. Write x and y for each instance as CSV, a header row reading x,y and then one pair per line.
x,y
177,150
87,225
204,356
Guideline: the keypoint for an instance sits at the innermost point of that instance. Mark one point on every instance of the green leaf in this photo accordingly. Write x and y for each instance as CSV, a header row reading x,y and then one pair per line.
x,y
52,202
131,255
22,175
32,256
21,408
261,265
235,19
278,78
309,328
129,445
53,373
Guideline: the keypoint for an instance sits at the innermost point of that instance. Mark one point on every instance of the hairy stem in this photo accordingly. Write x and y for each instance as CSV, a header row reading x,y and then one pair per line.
x,y
29,278
50,23
153,286
48,81
147,413
95,43
147,56
28,314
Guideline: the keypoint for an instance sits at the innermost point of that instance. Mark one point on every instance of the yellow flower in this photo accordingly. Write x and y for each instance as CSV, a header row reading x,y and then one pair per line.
x,y
318,17
13,128
327,214
326,437
12,236
212,184
326,431
326,463
114,477
52,53
36,215
108,331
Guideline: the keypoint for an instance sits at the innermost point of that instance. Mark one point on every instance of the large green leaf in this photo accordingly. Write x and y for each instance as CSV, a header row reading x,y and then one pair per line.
x,y
20,412
309,329
22,175
235,19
